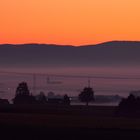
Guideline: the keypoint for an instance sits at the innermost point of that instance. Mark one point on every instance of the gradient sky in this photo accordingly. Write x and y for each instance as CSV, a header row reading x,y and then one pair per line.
x,y
73,22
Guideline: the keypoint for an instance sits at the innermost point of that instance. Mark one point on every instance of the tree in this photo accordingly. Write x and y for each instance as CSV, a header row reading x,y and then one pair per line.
x,y
66,100
87,95
129,103
22,89
129,106
23,95
41,98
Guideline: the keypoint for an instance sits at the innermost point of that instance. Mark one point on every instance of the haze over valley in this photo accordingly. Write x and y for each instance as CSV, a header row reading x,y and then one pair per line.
x,y
114,67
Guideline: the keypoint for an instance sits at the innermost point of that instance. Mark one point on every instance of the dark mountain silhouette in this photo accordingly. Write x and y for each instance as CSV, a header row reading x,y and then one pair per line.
x,y
106,54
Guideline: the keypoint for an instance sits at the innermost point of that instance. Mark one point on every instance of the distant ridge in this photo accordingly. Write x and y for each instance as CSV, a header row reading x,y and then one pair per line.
x,y
118,43
114,53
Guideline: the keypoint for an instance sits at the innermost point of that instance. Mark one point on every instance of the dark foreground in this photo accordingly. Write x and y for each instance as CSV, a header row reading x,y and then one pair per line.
x,y
59,122
47,133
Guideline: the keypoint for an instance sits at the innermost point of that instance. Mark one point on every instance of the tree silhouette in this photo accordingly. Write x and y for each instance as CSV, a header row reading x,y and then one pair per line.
x,y
41,98
23,95
129,106
66,100
129,103
87,95
22,89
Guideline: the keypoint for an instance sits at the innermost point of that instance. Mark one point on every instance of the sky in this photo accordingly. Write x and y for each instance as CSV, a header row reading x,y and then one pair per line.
x,y
72,22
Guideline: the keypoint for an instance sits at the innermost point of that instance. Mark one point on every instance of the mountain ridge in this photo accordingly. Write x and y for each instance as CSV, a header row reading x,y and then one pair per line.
x,y
113,53
59,45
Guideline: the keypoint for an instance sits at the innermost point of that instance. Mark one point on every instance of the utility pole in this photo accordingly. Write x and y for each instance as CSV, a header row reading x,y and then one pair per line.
x,y
88,81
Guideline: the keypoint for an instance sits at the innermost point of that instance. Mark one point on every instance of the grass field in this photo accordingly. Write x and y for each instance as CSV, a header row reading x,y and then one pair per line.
x,y
61,122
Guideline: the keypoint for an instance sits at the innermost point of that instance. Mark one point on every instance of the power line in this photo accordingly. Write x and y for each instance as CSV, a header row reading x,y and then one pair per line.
x,y
72,76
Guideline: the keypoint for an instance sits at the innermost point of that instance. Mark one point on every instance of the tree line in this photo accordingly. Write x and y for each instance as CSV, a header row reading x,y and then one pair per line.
x,y
23,96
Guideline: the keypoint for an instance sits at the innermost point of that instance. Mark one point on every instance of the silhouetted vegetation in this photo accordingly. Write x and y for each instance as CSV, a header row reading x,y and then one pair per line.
x,y
41,98
66,100
87,95
129,106
23,95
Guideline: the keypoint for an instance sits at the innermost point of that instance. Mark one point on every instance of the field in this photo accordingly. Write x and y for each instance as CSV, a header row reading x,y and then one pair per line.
x,y
66,122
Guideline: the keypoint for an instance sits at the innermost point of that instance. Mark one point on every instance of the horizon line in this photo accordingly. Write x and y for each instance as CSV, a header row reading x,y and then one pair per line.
x,y
33,43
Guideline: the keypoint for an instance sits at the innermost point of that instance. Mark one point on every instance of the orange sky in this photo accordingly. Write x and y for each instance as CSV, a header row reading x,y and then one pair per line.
x,y
73,22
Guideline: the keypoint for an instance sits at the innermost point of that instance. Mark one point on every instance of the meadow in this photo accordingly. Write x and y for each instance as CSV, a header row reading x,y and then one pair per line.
x,y
66,122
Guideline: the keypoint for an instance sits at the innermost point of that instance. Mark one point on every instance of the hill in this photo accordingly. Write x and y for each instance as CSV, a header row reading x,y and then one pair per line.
x,y
115,53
